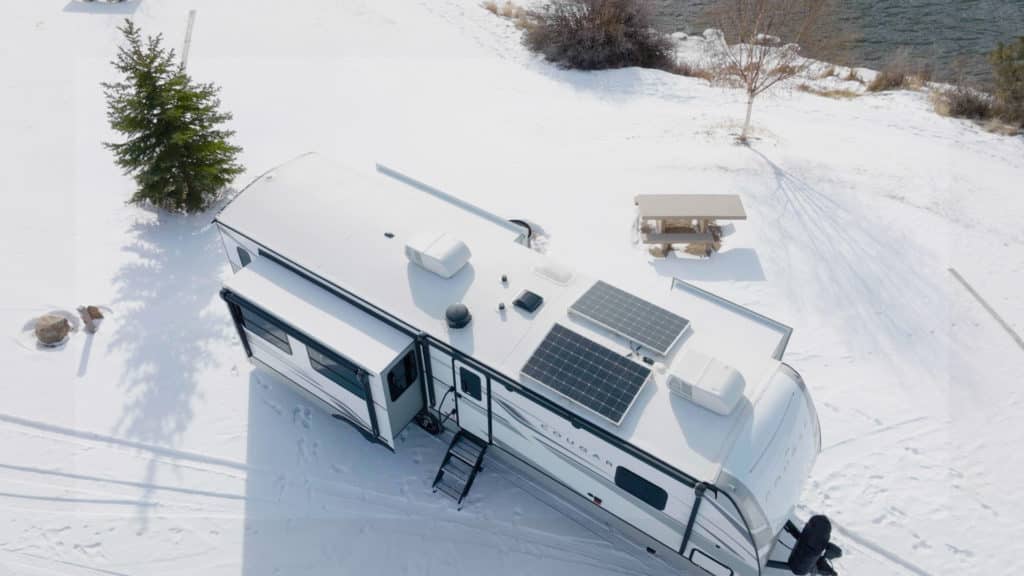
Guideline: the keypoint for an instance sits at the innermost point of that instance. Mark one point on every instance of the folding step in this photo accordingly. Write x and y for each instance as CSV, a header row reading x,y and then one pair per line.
x,y
460,466
449,486
456,467
466,450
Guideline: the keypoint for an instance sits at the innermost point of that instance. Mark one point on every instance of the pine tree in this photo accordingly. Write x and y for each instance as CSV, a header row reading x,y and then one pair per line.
x,y
1008,66
174,145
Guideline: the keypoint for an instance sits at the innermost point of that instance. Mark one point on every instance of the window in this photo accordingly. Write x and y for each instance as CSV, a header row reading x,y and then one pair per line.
x,y
470,383
337,370
243,257
641,488
266,329
402,375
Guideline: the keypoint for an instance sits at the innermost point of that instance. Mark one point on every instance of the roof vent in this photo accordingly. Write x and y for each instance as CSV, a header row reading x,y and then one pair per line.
x,y
442,253
554,272
706,381
457,316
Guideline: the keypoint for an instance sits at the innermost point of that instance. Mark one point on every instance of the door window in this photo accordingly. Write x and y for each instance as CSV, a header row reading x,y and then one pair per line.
x,y
402,375
470,384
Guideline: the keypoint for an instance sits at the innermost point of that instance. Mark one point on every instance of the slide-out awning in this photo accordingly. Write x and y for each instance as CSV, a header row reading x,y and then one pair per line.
x,y
320,315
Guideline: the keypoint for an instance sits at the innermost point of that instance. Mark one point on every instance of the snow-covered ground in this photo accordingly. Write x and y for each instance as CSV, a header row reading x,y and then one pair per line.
x,y
153,448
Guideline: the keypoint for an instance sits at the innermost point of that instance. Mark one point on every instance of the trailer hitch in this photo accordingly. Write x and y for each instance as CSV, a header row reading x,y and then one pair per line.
x,y
812,552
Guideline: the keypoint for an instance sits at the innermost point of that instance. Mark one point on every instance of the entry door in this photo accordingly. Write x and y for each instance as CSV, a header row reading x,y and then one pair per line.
x,y
472,389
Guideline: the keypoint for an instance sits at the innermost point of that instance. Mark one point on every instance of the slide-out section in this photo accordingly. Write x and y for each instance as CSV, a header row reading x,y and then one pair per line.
x,y
361,369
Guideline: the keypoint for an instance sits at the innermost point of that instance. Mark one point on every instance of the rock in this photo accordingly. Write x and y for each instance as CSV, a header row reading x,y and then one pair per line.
x,y
91,317
51,329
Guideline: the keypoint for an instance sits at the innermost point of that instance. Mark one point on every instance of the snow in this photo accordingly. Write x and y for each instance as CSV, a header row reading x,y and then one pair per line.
x,y
154,448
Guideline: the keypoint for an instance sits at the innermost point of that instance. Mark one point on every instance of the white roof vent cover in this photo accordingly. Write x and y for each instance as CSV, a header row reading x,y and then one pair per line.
x,y
706,381
440,253
554,272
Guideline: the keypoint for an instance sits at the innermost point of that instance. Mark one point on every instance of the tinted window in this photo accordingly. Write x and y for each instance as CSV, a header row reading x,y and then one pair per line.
x,y
470,383
402,376
641,488
243,257
339,371
266,329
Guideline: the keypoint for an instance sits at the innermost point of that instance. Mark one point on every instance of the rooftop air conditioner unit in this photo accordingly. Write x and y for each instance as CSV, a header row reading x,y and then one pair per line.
x,y
706,381
440,253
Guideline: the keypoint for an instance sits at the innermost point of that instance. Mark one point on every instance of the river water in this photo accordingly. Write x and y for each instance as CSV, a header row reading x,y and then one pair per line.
x,y
939,33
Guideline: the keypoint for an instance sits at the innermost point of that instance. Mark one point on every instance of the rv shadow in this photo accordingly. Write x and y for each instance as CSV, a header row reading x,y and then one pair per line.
x,y
321,500
162,325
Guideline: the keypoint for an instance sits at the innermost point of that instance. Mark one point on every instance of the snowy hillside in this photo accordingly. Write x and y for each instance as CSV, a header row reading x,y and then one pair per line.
x,y
153,448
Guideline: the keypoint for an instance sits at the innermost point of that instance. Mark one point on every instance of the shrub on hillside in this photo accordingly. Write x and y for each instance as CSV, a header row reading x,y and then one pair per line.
x,y
899,74
598,34
963,102
1008,66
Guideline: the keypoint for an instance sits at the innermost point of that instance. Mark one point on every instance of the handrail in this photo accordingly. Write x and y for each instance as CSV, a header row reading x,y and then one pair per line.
x,y
786,330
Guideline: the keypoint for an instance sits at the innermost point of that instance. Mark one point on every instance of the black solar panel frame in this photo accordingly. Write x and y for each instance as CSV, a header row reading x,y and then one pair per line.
x,y
587,373
631,317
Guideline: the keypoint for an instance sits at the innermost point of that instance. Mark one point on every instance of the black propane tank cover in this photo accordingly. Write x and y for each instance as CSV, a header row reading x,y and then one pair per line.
x,y
457,316
810,546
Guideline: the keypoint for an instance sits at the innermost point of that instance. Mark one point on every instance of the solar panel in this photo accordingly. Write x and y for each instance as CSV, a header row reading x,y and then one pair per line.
x,y
634,318
587,373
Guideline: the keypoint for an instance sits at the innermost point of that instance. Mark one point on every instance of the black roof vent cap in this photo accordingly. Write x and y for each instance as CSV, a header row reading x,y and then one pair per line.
x,y
457,316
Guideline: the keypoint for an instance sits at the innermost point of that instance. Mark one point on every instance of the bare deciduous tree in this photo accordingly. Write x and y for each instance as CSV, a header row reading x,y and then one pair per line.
x,y
761,42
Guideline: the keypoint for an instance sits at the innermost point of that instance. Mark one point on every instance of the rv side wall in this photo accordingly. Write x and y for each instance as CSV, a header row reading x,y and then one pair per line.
x,y
588,467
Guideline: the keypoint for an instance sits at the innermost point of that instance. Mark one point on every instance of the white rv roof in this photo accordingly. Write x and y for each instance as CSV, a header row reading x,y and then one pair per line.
x,y
349,227
334,323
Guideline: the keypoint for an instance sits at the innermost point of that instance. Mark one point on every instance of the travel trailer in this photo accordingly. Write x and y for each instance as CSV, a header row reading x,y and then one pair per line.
x,y
668,414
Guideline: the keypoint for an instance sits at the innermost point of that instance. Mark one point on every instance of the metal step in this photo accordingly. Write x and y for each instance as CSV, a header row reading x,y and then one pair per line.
x,y
460,466
456,467
466,450
448,485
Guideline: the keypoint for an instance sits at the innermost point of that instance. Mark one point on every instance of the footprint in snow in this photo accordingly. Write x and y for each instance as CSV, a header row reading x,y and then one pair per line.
x,y
960,551
273,406
303,416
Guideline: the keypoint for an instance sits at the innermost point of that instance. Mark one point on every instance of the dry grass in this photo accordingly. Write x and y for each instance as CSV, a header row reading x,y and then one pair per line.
x,y
853,76
691,70
900,74
835,93
1001,127
517,14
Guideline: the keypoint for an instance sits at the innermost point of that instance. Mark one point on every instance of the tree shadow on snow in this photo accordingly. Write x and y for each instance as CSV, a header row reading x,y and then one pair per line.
x,y
164,294
858,265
